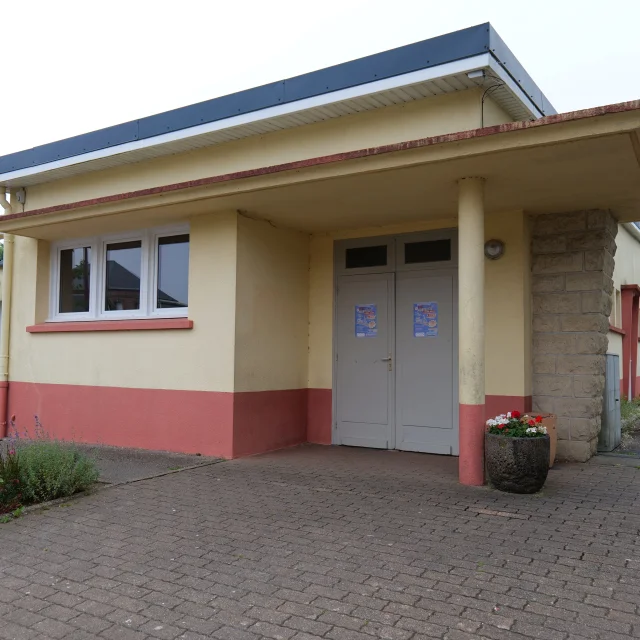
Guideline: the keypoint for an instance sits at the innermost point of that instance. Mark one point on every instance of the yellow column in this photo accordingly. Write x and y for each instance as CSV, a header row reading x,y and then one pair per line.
x,y
471,329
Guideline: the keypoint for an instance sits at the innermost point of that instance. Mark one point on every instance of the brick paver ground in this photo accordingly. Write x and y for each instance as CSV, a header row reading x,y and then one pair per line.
x,y
342,544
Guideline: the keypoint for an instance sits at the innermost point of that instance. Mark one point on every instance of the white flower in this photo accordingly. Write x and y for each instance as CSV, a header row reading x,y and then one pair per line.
x,y
542,429
532,430
508,414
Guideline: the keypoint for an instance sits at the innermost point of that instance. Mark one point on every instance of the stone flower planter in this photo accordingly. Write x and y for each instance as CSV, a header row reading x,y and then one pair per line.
x,y
517,465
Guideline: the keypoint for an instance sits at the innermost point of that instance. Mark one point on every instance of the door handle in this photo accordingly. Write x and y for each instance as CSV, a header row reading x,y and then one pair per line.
x,y
387,359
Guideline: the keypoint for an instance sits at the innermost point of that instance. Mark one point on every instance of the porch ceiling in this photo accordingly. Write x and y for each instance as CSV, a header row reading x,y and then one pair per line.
x,y
577,175
545,169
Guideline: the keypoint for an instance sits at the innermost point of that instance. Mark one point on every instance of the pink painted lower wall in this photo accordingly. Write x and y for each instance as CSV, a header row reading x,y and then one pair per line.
x,y
162,419
319,412
228,425
212,423
268,420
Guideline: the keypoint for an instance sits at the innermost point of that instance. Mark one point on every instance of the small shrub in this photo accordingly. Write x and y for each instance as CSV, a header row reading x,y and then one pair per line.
x,y
50,469
10,486
629,420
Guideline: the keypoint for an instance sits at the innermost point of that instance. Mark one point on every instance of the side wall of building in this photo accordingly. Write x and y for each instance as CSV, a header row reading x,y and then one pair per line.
x,y
271,343
626,272
261,343
155,389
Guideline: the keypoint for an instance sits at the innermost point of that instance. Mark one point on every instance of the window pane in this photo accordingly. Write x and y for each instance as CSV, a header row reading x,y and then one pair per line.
x,y
124,267
362,257
173,272
75,265
427,251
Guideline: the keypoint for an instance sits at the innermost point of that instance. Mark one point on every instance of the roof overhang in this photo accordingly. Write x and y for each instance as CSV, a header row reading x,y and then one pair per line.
x,y
582,160
433,67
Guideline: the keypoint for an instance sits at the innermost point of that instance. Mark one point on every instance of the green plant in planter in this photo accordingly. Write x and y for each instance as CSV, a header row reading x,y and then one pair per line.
x,y
515,425
517,452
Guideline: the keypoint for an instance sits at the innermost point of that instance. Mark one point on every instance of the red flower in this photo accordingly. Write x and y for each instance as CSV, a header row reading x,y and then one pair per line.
x,y
532,423
500,426
538,418
515,414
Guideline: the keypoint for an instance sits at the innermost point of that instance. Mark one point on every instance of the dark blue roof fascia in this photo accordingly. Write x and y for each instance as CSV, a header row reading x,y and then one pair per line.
x,y
420,55
502,54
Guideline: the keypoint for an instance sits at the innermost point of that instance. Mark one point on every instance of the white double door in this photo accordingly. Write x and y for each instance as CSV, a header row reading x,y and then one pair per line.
x,y
396,374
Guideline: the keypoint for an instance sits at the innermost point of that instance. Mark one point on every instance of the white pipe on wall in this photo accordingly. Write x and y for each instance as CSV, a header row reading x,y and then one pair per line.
x,y
7,282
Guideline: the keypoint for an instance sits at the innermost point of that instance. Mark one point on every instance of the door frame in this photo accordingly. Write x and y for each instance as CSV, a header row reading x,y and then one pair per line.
x,y
394,265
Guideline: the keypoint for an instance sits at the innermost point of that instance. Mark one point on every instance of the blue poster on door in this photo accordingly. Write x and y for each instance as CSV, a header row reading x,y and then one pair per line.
x,y
366,320
425,319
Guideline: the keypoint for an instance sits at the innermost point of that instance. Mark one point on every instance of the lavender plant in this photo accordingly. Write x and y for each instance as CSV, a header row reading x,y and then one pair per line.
x,y
10,487
50,469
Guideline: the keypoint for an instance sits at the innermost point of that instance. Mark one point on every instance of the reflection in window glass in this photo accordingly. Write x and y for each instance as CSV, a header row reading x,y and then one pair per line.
x,y
427,251
363,257
75,267
123,270
173,272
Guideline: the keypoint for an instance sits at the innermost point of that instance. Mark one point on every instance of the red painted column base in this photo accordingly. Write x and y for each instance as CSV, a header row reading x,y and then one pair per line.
x,y
471,462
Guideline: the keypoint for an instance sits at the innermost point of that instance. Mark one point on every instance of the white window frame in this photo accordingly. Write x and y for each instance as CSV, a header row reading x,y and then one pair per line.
x,y
156,234
54,288
97,277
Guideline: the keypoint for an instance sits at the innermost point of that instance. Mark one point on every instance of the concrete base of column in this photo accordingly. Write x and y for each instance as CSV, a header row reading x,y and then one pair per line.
x,y
472,427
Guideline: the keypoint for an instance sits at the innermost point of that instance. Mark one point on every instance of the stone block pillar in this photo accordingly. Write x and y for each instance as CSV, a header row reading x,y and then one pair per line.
x,y
572,263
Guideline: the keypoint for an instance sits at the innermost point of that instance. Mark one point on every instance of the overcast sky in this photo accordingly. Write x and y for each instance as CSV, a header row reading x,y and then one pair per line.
x,y
76,66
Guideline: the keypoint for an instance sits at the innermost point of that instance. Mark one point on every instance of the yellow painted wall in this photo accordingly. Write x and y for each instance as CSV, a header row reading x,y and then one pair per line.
x,y
272,307
422,118
627,271
508,307
200,359
508,312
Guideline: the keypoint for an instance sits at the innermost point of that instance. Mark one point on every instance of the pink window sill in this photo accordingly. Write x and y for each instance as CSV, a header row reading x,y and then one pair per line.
x,y
111,325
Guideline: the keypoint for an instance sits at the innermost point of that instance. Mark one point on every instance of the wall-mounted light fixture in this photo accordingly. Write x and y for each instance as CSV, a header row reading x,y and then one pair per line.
x,y
478,74
494,249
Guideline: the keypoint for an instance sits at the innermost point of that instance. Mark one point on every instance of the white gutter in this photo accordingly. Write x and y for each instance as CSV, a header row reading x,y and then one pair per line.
x,y
7,286
473,63
632,229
